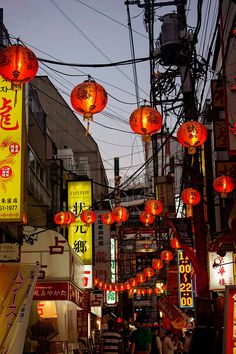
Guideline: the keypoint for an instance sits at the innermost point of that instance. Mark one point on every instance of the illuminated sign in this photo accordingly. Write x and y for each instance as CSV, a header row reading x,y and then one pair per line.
x,y
111,298
80,236
223,274
113,260
185,281
11,151
229,344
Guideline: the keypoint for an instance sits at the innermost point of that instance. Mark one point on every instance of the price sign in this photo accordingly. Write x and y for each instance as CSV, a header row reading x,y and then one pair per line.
x,y
185,281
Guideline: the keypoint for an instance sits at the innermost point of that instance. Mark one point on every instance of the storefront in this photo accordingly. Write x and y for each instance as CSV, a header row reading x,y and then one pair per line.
x,y
58,296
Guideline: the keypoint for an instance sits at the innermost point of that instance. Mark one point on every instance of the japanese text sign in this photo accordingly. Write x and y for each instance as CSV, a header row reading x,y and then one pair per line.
x,y
80,235
11,160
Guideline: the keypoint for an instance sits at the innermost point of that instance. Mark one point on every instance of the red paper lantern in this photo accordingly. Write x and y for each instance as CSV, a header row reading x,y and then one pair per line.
x,y
192,134
88,216
100,284
121,287
166,255
107,218
61,218
163,287
223,185
116,287
157,263
138,291
145,121
143,291
149,272
149,291
174,243
153,206
88,98
146,218
127,285
133,282
157,290
120,214
141,278
131,291
190,196
95,281
18,64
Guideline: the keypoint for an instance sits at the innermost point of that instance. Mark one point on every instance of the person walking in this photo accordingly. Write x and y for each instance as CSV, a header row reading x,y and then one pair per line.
x,y
156,347
111,340
168,346
187,342
140,339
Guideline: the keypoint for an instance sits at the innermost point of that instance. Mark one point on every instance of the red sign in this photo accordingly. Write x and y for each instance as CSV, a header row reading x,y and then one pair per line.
x,y
58,291
230,320
82,317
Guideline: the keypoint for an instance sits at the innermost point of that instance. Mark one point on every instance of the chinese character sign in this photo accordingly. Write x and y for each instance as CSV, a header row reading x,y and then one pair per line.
x,y
11,140
80,235
222,274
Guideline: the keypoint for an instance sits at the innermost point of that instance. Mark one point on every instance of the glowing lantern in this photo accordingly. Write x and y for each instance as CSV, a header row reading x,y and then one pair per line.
x,y
131,291
120,214
88,216
141,278
145,121
133,282
174,243
190,196
105,286
107,218
110,287
127,286
18,64
153,206
24,218
163,287
121,287
146,218
119,320
166,255
223,185
88,98
192,134
157,290
100,284
157,263
149,272
143,291
61,218
116,287
95,281
149,291
138,291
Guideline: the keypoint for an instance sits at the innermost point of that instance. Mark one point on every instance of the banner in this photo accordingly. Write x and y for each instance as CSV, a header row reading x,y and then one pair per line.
x,y
11,144
16,289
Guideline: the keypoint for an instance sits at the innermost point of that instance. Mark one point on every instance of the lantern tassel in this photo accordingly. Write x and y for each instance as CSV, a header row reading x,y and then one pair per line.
x,y
87,129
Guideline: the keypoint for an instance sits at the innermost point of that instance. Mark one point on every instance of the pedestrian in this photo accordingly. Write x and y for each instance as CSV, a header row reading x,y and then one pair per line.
x,y
111,340
156,346
168,346
178,344
187,342
140,339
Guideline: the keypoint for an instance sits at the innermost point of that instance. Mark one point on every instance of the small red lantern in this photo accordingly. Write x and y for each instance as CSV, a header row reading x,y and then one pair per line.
x,y
192,134
166,255
131,291
223,185
149,272
133,282
138,291
88,216
121,287
157,263
119,320
190,196
127,286
116,287
146,218
18,64
95,281
141,278
164,287
61,218
153,206
100,284
145,121
107,218
88,98
157,290
120,214
174,243
143,291
149,291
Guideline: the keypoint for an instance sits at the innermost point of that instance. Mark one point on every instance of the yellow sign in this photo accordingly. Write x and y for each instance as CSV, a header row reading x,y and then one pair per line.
x,y
80,235
11,148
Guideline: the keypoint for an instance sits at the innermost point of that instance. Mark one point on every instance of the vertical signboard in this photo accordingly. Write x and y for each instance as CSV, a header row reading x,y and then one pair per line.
x,y
185,281
80,235
230,320
11,147
220,271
